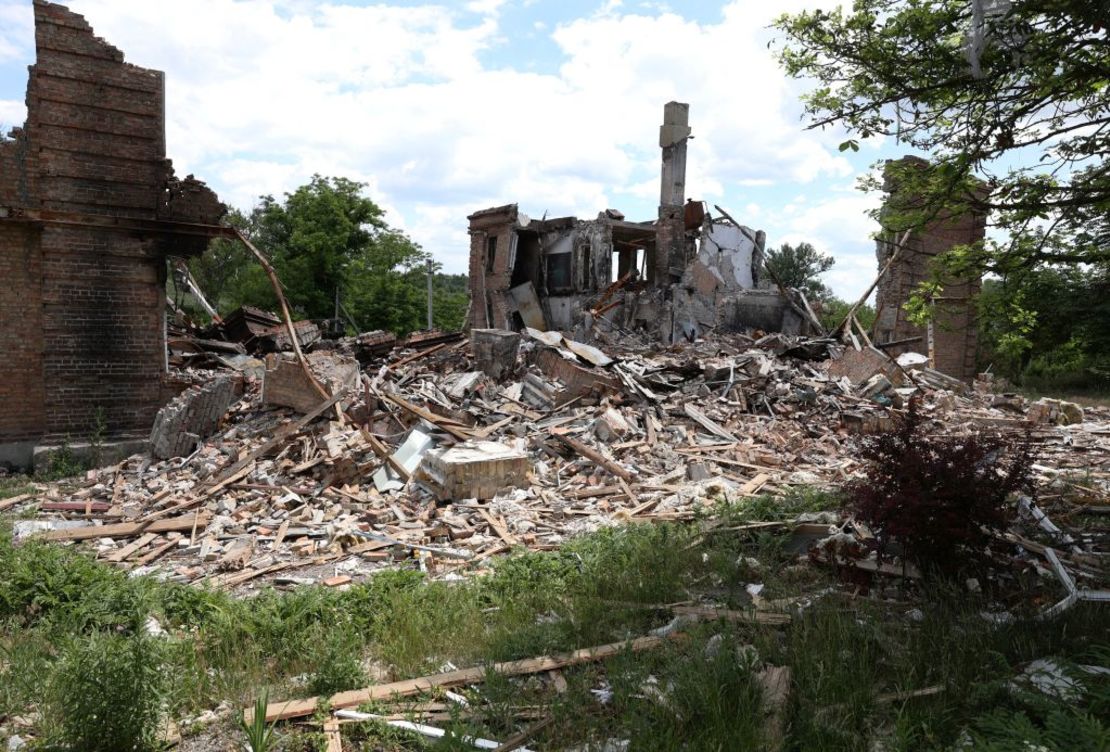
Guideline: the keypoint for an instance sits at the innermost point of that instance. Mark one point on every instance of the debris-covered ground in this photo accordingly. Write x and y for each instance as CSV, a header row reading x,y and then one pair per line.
x,y
455,504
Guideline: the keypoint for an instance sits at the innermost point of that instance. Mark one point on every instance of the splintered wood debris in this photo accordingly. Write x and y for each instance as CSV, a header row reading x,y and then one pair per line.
x,y
429,461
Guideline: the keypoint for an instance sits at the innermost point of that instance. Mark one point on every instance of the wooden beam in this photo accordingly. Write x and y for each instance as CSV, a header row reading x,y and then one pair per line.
x,y
300,708
594,456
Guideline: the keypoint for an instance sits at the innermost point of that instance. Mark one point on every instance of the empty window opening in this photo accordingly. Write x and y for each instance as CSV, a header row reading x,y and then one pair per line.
x,y
491,252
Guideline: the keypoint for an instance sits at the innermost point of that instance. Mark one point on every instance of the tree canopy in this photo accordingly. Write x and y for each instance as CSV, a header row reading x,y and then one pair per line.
x,y
800,266
1013,93
327,240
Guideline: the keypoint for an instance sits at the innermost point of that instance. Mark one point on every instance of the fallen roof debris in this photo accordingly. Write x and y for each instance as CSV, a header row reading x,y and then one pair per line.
x,y
432,458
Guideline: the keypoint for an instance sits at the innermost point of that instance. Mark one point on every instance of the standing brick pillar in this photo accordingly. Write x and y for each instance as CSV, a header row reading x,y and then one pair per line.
x,y
955,328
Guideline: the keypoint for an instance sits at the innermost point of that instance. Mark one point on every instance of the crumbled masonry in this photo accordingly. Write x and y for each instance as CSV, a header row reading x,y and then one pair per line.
x,y
436,460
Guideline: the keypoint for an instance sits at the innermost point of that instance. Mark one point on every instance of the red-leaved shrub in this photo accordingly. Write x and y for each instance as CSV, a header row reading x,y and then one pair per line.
x,y
938,496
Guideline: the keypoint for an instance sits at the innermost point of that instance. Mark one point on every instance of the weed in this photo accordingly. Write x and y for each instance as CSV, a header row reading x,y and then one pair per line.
x,y
96,437
14,485
63,464
336,664
261,736
107,693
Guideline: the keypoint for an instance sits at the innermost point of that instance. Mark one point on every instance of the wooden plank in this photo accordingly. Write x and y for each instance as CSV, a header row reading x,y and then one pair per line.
x,y
707,423
122,553
156,552
331,735
450,426
756,483
752,617
126,529
416,356
9,503
499,528
87,507
593,456
280,437
517,741
301,708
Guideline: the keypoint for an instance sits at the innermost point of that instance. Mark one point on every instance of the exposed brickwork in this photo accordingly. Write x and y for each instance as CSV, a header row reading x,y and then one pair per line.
x,y
83,306
193,416
490,273
955,331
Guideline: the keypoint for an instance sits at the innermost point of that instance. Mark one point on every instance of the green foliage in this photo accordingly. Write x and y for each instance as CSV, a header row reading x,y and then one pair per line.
x,y
335,658
226,268
1005,97
800,266
63,463
261,736
326,240
107,693
833,310
67,620
1048,328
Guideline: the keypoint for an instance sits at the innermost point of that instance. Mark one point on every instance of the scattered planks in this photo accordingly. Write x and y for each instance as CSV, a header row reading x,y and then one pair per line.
x,y
128,529
300,708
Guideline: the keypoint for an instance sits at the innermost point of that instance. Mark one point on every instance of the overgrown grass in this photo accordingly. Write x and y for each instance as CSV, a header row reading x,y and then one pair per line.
x,y
70,628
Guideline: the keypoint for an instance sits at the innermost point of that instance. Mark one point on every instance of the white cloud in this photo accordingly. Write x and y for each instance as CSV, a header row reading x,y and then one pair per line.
x,y
264,93
839,226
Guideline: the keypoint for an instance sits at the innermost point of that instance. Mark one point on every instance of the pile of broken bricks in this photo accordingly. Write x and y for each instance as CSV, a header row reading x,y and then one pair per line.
x,y
442,457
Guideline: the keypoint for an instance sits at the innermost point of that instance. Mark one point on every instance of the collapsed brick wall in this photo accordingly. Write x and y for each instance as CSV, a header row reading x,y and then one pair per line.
x,y
955,328
86,296
193,416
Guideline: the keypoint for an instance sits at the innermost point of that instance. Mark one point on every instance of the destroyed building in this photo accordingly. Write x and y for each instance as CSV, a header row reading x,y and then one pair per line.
x,y
89,210
679,276
951,338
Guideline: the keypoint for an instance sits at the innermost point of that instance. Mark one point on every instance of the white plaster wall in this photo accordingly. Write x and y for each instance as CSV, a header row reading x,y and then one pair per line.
x,y
729,250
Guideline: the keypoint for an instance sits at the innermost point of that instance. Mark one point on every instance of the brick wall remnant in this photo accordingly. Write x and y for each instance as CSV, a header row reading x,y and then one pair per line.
x,y
954,328
89,210
193,416
495,351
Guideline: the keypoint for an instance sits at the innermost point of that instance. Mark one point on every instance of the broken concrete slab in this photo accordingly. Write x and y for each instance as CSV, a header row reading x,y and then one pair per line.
x,y
860,365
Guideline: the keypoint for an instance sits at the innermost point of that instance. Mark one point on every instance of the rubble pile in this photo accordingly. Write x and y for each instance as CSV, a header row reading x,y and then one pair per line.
x,y
451,451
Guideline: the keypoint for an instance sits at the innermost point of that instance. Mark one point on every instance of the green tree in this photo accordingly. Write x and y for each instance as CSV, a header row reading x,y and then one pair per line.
x,y
1048,327
799,266
832,310
221,269
327,239
1013,92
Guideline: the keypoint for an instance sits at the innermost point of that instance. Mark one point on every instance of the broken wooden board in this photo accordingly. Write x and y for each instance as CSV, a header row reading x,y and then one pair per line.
x,y
128,529
300,708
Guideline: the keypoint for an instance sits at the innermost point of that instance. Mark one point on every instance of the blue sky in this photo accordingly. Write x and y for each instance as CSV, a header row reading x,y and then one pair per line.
x,y
446,108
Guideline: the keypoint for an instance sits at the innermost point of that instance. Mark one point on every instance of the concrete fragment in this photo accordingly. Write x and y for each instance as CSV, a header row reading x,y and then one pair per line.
x,y
475,470
875,386
495,351
611,425
1056,412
